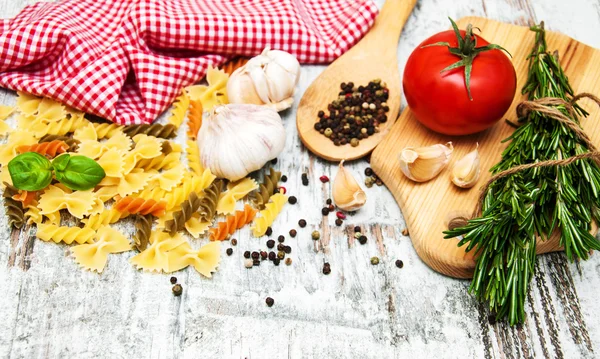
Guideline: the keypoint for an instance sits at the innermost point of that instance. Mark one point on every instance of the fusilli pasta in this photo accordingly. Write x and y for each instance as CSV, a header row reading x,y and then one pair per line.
x,y
180,106
140,206
107,130
188,207
232,223
60,127
191,183
154,129
71,142
104,218
267,188
143,230
50,149
13,209
193,157
66,234
268,215
194,119
208,205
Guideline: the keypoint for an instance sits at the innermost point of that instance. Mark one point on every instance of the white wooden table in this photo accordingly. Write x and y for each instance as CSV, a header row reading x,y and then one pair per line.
x,y
50,308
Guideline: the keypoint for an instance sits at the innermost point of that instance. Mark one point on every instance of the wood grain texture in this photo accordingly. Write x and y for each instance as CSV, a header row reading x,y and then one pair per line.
x,y
54,310
430,206
372,58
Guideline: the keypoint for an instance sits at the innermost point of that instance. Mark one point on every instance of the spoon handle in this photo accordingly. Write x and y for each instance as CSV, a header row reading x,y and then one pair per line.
x,y
390,21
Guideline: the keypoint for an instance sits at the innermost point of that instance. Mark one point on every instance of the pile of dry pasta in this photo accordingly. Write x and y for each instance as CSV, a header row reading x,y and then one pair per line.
x,y
172,203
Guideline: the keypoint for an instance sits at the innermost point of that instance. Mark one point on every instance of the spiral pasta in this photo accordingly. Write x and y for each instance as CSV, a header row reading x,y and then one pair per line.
x,y
268,215
157,130
191,183
66,234
154,257
143,230
104,218
71,142
180,106
193,157
50,149
194,119
107,130
93,256
205,260
267,188
140,206
60,127
162,162
208,205
25,197
14,209
188,207
33,215
232,223
237,191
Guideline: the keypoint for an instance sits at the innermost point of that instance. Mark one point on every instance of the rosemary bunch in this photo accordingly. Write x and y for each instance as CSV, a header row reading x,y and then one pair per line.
x,y
532,203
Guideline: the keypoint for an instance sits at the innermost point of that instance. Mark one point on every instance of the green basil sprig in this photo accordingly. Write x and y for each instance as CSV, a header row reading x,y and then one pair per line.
x,y
31,171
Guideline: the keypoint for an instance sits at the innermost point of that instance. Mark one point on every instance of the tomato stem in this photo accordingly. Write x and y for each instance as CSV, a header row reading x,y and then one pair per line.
x,y
467,50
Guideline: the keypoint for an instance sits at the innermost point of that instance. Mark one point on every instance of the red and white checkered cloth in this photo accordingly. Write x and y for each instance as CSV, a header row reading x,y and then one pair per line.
x,y
127,60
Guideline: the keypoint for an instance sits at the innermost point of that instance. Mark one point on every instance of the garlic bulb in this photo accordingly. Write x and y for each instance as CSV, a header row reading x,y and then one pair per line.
x,y
237,139
424,163
267,79
347,193
465,171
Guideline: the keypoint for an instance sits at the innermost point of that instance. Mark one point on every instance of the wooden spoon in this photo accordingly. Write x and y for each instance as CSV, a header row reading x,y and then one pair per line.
x,y
373,57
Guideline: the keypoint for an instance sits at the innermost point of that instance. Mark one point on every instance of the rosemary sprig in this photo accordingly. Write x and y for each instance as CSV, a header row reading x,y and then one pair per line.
x,y
533,203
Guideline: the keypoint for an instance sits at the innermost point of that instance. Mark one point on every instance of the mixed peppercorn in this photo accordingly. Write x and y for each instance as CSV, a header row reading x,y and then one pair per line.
x,y
356,114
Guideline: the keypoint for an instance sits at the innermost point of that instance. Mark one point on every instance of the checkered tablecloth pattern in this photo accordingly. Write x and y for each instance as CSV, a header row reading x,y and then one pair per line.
x,y
126,60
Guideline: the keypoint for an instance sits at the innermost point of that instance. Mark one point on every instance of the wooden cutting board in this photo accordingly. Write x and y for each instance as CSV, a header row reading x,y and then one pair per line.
x,y
427,207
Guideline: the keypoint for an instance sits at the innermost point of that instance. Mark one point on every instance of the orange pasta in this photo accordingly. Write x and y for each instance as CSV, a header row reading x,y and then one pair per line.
x,y
194,118
234,64
141,206
50,149
25,197
232,223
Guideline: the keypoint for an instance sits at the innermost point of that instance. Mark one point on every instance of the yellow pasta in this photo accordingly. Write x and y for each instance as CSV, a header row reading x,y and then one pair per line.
x,y
268,215
112,162
215,93
86,133
66,234
51,111
94,149
60,127
78,203
180,106
195,226
93,256
171,178
193,157
162,162
205,260
134,181
6,111
145,147
191,183
151,192
16,139
106,193
155,257
28,104
107,130
236,191
103,218
33,215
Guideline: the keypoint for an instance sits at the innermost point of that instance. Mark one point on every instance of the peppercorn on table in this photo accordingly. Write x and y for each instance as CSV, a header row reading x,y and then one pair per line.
x,y
336,295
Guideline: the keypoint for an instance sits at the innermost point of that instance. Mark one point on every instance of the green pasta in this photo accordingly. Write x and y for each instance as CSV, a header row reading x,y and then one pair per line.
x,y
188,208
208,205
73,143
166,148
143,226
266,188
155,129
14,209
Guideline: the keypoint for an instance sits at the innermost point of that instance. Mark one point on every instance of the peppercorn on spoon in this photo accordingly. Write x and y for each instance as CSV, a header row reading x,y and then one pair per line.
x,y
374,57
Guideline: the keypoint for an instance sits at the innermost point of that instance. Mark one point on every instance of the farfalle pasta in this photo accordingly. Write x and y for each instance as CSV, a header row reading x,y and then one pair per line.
x,y
133,181
28,104
33,215
140,206
236,191
93,256
232,223
66,234
180,106
94,149
214,94
50,110
155,258
205,260
78,203
268,215
5,111
15,140
171,177
145,147
112,162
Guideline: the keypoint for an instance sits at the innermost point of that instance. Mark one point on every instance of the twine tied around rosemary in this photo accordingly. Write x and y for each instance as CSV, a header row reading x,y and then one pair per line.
x,y
545,106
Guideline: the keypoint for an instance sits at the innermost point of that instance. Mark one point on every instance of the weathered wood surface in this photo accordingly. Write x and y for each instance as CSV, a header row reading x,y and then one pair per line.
x,y
52,309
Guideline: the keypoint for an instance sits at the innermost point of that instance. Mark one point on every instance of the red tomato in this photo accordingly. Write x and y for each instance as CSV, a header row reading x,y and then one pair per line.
x,y
439,99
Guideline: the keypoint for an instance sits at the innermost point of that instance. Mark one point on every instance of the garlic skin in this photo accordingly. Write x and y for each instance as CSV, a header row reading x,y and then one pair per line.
x,y
347,193
268,79
465,172
422,164
237,139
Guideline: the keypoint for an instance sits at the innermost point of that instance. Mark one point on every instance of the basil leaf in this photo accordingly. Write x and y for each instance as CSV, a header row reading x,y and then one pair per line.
x,y
78,173
30,171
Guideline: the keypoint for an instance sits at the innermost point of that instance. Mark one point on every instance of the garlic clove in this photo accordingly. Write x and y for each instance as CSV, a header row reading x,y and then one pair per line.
x,y
260,82
240,89
347,193
465,172
422,164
